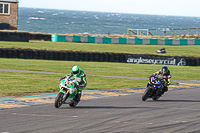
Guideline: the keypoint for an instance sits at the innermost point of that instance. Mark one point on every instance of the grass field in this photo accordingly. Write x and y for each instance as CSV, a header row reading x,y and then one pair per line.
x,y
13,83
100,68
186,50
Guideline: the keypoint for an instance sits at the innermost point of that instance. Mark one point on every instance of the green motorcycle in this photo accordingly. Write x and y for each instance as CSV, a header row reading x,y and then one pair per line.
x,y
68,93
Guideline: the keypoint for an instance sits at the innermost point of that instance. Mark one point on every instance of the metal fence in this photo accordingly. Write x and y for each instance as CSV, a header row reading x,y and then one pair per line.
x,y
165,32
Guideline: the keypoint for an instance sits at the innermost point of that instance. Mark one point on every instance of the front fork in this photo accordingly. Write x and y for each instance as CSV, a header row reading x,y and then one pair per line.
x,y
66,94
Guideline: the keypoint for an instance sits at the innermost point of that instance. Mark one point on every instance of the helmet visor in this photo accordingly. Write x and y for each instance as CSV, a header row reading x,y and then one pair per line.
x,y
76,72
164,71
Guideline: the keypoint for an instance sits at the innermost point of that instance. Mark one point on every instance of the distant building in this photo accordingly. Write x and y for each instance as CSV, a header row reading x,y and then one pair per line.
x,y
8,14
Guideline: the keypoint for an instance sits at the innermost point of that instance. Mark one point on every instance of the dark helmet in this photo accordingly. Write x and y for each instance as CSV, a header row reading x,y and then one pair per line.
x,y
164,69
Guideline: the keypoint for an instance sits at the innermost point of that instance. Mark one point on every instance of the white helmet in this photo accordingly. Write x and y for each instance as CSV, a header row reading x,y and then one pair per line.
x,y
76,70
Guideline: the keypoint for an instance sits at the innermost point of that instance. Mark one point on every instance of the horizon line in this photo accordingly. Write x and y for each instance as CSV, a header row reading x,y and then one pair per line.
x,y
110,12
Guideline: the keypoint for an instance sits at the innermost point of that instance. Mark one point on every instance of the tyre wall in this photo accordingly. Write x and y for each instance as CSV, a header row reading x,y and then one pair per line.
x,y
23,36
98,57
40,37
14,36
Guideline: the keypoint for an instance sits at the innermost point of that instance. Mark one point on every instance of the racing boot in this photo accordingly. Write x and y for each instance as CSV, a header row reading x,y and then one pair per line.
x,y
165,89
161,92
78,96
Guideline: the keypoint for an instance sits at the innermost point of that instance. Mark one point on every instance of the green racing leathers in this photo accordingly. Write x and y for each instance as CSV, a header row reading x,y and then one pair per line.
x,y
81,78
82,82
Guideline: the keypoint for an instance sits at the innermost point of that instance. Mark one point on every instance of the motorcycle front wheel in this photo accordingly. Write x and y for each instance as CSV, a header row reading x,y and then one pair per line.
x,y
59,100
146,94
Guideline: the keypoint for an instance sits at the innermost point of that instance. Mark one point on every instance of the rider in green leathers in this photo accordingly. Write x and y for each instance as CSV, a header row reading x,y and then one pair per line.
x,y
80,75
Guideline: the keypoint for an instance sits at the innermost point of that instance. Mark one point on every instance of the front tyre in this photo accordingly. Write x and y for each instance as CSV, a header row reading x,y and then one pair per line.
x,y
146,94
59,100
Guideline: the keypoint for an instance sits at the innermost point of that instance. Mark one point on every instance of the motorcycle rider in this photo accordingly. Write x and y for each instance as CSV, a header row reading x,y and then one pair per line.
x,y
165,74
80,75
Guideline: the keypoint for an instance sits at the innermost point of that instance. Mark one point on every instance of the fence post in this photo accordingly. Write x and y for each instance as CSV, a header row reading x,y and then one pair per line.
x,y
180,31
156,32
188,32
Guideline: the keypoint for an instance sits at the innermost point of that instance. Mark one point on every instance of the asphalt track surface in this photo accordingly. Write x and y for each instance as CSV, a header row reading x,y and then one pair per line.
x,y
178,111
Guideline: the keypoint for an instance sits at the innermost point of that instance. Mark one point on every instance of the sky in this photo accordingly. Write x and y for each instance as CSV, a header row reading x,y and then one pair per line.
x,y
153,7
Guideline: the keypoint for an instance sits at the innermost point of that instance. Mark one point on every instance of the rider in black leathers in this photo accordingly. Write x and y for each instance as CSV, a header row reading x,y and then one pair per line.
x,y
165,74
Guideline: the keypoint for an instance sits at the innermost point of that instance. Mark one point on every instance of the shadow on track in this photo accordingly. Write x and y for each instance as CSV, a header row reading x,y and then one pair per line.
x,y
184,101
107,107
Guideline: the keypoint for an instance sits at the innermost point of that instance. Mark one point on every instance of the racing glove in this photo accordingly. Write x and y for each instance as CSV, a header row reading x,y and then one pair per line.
x,y
62,78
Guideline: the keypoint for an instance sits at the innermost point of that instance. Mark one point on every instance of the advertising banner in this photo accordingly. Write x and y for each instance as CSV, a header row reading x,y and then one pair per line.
x,y
156,60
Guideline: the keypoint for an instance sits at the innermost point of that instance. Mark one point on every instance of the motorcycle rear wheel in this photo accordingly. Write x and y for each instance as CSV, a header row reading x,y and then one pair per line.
x,y
59,100
155,98
73,104
75,101
146,94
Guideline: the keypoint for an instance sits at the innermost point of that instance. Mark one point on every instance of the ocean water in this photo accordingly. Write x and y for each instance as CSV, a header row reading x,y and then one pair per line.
x,y
66,21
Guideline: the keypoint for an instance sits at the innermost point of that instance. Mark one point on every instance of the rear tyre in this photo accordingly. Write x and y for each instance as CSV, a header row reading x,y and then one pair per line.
x,y
76,100
59,100
73,104
146,94
155,98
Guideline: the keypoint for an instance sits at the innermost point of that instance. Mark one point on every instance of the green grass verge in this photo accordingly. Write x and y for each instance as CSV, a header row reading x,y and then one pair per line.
x,y
101,68
186,50
17,83
14,83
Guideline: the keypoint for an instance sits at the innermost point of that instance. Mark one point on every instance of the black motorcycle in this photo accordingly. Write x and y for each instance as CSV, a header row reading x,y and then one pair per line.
x,y
154,88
